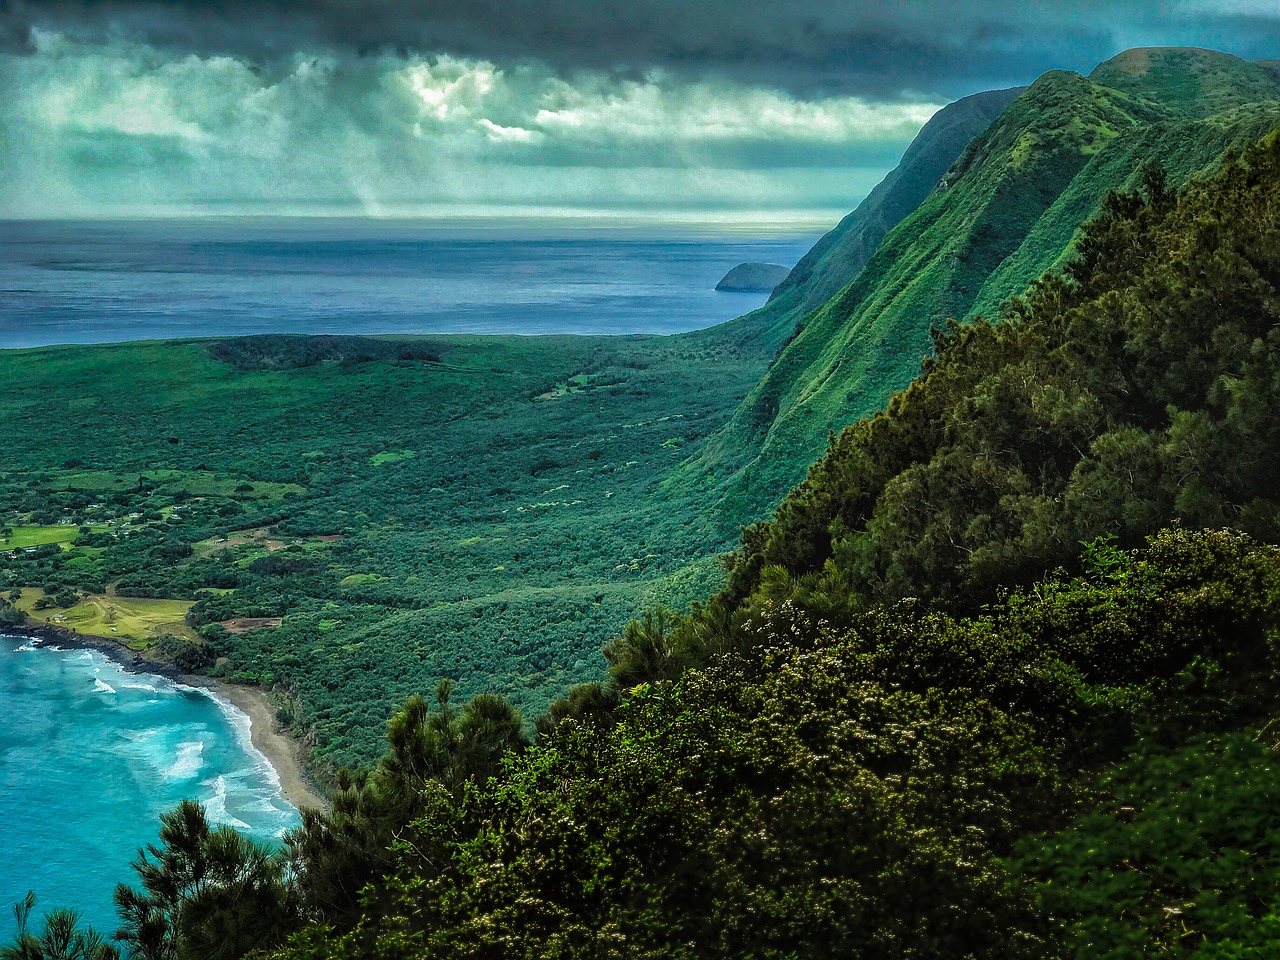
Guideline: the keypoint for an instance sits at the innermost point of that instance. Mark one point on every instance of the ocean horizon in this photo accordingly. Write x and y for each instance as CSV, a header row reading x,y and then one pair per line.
x,y
99,281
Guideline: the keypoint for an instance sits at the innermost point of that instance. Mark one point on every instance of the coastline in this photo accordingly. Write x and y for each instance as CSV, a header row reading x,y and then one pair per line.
x,y
282,750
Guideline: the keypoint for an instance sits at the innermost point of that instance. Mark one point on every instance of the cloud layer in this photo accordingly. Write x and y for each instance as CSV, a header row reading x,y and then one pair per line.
x,y
835,46
123,127
123,107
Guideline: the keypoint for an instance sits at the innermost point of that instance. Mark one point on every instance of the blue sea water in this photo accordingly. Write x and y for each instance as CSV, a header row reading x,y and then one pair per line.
x,y
91,754
91,282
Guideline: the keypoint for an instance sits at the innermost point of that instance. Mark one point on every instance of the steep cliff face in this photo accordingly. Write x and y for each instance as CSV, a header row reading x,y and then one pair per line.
x,y
843,251
1004,213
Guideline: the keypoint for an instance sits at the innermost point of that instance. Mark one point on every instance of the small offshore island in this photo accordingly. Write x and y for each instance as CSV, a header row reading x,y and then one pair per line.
x,y
753,278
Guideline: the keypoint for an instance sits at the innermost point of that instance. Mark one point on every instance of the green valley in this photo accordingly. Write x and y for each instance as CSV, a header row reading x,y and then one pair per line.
x,y
488,515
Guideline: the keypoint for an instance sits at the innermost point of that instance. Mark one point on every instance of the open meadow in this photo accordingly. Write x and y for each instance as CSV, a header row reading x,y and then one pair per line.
x,y
134,621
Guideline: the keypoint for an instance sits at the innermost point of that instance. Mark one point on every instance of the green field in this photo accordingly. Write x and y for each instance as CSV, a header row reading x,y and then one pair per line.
x,y
134,621
195,483
19,537
391,456
493,517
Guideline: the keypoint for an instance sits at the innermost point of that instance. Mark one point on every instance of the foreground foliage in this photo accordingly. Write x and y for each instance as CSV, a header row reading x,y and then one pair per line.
x,y
858,787
61,936
1178,859
900,782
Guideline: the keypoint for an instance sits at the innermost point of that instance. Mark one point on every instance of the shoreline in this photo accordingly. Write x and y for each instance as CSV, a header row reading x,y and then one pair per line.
x,y
281,750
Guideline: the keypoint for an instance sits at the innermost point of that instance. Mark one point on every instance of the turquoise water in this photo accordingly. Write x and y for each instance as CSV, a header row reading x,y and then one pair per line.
x,y
91,755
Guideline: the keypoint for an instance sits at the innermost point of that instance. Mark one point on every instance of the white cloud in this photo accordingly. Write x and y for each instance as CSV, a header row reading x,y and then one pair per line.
x,y
500,134
660,110
117,127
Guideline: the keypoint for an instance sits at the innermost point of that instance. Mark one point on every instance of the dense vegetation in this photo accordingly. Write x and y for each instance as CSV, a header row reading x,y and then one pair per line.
x,y
1006,212
897,783
847,754
484,509
865,787
289,352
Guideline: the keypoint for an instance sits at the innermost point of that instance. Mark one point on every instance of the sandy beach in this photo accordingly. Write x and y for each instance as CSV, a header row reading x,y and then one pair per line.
x,y
283,752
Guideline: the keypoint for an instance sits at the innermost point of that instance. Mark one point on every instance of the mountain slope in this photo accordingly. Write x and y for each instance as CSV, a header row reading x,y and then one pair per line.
x,y
844,250
1187,80
1002,215
884,738
1135,391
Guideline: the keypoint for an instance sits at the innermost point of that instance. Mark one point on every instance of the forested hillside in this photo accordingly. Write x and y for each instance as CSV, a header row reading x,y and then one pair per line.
x,y
1135,390
891,783
900,732
1005,212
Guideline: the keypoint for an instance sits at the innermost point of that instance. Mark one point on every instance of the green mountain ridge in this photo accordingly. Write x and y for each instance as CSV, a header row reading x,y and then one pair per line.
x,y
1190,81
1002,215
838,256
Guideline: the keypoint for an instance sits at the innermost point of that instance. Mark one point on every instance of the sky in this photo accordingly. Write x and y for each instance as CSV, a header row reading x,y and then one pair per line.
x,y
780,108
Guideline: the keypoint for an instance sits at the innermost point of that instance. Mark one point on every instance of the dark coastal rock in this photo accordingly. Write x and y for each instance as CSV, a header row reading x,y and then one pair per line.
x,y
753,277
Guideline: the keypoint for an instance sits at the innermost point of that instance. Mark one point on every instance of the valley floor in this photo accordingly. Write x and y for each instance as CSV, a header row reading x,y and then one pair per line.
x,y
350,530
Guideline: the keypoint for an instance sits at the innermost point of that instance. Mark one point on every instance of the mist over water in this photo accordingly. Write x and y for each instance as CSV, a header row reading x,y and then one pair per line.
x,y
96,281
91,755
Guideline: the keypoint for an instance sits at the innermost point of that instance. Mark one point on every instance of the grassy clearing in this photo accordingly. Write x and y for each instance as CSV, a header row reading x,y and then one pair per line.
x,y
259,540
575,384
21,537
133,620
391,456
193,483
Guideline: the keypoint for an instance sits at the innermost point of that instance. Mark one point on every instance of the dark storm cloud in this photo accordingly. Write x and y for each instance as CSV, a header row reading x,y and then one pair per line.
x,y
809,46
115,125
141,107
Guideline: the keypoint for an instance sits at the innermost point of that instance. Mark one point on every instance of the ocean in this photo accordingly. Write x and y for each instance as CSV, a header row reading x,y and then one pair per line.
x,y
96,281
91,754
